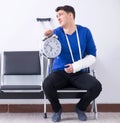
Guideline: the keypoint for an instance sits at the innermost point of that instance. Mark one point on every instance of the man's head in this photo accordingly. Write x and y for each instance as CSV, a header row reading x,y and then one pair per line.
x,y
65,15
66,8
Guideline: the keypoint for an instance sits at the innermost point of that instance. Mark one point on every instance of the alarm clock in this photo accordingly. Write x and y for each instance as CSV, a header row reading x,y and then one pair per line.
x,y
51,46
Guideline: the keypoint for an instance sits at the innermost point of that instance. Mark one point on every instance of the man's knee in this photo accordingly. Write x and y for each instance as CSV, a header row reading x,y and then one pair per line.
x,y
97,88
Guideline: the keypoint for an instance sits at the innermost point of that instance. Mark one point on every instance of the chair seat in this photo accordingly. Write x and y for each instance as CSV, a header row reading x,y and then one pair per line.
x,y
70,92
20,87
71,88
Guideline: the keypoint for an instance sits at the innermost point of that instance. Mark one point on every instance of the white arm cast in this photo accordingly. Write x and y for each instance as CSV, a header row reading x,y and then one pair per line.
x,y
83,63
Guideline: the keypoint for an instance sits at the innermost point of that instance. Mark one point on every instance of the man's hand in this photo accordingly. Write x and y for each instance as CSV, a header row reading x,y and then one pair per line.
x,y
68,68
48,33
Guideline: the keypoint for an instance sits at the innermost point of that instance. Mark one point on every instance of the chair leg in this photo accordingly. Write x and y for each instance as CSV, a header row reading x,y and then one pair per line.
x,y
45,112
45,115
94,109
96,112
94,104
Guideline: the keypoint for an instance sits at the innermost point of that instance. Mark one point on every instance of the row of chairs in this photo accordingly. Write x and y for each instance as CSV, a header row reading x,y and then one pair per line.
x,y
30,64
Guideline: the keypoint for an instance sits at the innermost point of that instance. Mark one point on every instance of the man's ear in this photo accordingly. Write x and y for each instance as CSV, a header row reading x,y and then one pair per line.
x,y
71,15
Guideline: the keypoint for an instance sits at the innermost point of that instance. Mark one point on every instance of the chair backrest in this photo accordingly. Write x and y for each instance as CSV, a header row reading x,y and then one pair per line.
x,y
20,70
21,63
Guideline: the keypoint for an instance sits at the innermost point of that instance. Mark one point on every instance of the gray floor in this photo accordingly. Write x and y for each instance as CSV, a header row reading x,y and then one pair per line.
x,y
66,118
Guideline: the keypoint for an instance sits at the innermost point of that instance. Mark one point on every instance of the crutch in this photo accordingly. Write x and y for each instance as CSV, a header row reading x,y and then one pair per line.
x,y
46,68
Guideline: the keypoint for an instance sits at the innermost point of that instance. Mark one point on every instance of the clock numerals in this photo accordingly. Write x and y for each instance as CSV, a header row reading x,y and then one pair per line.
x,y
52,47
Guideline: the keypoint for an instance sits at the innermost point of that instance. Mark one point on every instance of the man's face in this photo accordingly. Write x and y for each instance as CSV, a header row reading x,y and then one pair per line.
x,y
63,17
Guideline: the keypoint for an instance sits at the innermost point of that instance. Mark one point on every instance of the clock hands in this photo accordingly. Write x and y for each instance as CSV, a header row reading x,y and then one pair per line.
x,y
51,47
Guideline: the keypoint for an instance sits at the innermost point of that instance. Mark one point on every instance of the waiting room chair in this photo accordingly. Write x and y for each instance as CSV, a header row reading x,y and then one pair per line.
x,y
20,65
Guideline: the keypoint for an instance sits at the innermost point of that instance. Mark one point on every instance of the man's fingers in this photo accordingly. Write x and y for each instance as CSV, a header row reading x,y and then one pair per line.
x,y
48,32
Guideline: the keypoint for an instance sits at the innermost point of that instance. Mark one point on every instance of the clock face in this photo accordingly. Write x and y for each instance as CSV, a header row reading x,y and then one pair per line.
x,y
51,47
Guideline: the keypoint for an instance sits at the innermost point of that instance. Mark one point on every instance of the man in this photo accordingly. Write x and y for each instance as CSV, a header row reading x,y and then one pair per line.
x,y
78,52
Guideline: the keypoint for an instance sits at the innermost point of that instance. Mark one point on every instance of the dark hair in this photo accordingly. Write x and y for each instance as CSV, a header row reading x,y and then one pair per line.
x,y
67,9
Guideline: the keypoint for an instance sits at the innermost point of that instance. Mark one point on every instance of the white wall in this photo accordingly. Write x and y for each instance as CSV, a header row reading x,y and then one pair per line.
x,y
19,30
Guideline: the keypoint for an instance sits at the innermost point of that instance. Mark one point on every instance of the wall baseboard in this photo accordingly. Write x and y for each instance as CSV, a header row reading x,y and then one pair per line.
x,y
29,108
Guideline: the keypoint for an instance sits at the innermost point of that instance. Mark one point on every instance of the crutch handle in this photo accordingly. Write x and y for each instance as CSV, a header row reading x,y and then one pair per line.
x,y
43,19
